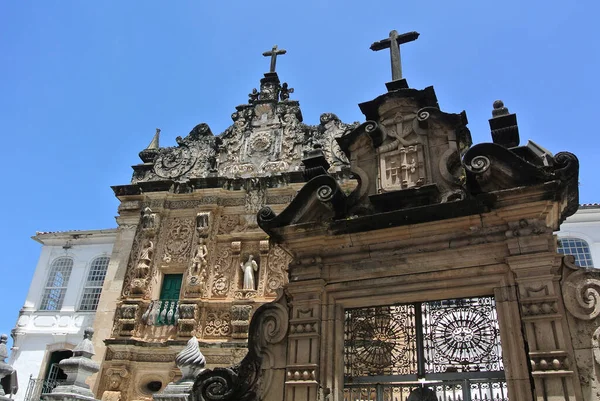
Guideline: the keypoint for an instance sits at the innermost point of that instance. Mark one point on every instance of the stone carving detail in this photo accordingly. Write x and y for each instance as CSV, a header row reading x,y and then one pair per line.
x,y
195,156
240,320
222,267
401,156
581,290
284,94
142,271
186,324
198,271
179,233
277,276
189,204
255,196
242,382
330,128
116,378
218,324
148,220
229,223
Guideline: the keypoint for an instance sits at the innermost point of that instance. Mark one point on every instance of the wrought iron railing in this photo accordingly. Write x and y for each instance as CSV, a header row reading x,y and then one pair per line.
x,y
38,387
463,390
162,312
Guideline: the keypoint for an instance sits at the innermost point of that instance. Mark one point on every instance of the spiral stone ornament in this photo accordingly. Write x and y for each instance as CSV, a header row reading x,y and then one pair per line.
x,y
479,164
325,193
581,292
266,213
370,126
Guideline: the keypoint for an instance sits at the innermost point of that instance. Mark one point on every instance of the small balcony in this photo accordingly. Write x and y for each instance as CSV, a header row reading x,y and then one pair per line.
x,y
162,312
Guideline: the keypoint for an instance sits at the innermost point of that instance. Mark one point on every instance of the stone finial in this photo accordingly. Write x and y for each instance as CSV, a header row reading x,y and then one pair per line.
x,y
190,360
77,368
149,154
85,348
499,109
505,131
5,368
154,143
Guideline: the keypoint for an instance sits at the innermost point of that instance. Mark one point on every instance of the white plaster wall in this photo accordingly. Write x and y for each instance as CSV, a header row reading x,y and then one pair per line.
x,y
584,224
38,332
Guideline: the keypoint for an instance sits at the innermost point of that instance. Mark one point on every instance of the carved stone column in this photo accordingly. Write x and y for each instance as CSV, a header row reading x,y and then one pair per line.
x,y
304,340
545,324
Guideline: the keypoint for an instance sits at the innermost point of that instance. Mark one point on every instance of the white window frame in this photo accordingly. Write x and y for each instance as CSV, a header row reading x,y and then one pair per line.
x,y
583,258
94,280
50,302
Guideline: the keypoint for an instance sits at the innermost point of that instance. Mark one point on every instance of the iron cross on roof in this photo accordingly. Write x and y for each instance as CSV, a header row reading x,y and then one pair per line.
x,y
274,52
393,43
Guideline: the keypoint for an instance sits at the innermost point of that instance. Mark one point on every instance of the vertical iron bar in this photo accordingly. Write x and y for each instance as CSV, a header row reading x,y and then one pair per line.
x,y
379,392
466,390
419,337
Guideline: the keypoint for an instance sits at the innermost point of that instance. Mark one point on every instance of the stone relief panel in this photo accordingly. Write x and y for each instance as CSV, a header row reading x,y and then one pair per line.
x,y
134,255
229,223
402,154
218,323
177,237
277,270
330,128
221,274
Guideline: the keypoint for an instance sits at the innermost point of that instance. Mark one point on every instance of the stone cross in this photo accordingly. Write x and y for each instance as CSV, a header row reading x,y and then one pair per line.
x,y
393,43
274,52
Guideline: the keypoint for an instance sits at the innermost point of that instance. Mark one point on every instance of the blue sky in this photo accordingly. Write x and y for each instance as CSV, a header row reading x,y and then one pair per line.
x,y
85,83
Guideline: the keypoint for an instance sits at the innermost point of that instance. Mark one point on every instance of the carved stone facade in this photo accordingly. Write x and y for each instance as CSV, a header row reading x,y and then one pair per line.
x,y
400,213
437,277
192,209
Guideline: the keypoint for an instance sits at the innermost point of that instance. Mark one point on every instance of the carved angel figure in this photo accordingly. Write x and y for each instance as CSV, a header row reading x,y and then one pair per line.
x,y
199,260
146,255
249,268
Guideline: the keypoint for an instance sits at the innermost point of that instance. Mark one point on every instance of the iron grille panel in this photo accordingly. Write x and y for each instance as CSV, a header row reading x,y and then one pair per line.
x,y
461,335
380,341
463,390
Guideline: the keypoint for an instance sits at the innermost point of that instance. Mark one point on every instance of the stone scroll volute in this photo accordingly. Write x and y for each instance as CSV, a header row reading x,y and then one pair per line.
x,y
581,290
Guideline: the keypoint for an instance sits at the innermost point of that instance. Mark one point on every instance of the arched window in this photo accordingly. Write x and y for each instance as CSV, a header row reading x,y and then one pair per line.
x,y
578,248
56,286
93,284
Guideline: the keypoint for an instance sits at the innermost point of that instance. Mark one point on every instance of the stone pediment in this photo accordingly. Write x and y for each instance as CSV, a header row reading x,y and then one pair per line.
x,y
408,143
414,163
267,138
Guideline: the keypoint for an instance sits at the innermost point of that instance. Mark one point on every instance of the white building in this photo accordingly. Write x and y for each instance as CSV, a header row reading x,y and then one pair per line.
x,y
60,304
579,236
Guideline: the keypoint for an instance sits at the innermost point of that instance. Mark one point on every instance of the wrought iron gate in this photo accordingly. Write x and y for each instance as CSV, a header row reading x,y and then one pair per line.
x,y
452,347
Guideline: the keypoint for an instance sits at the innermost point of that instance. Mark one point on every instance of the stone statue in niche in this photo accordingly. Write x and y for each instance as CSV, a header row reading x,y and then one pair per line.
x,y
199,261
249,268
146,255
148,219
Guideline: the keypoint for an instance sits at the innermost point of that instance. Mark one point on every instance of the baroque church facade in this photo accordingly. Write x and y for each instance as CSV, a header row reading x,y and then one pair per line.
x,y
190,258
385,260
